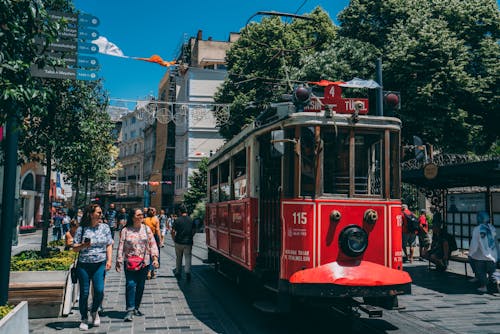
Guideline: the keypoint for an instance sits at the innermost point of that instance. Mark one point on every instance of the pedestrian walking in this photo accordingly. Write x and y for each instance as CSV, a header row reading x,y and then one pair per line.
x,y
65,222
57,221
94,242
424,239
409,232
70,234
483,250
110,218
183,230
163,226
154,224
122,218
137,246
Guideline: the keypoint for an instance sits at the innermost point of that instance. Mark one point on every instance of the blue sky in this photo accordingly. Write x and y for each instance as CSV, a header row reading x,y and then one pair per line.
x,y
144,28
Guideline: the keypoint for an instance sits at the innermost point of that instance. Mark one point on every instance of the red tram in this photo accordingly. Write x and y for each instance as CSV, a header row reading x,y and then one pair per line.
x,y
309,202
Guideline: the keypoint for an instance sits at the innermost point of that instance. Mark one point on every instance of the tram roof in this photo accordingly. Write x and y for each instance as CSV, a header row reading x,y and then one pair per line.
x,y
479,173
286,116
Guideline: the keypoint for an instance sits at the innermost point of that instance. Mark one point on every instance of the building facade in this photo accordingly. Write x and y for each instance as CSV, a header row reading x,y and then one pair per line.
x,y
190,132
129,190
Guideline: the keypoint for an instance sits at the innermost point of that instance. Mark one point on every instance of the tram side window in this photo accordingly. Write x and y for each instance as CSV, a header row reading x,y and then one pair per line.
x,y
240,171
335,161
225,187
214,185
307,168
394,165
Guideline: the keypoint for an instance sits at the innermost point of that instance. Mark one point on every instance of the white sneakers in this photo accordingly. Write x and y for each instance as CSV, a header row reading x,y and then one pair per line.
x,y
96,320
84,326
473,280
482,289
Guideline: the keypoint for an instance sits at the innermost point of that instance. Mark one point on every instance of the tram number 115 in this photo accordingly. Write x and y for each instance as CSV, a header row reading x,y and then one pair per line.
x,y
299,218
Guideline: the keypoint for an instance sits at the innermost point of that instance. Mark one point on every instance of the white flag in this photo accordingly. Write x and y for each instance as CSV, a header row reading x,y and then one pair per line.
x,y
108,48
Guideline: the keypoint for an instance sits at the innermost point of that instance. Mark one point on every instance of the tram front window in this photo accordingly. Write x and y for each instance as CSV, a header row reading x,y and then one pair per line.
x,y
368,149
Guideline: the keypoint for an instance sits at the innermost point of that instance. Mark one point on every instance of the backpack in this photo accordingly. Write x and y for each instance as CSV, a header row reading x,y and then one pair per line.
x,y
412,222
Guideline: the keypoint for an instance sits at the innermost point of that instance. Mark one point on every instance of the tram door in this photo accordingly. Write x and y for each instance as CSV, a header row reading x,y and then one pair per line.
x,y
269,211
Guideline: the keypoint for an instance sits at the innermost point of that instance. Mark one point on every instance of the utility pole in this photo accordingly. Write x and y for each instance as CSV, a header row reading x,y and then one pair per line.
x,y
380,94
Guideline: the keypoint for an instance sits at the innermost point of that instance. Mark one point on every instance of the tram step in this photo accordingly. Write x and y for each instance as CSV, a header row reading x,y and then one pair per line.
x,y
372,311
271,288
266,306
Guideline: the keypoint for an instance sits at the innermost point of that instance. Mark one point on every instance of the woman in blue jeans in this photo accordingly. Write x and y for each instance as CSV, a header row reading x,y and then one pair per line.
x,y
94,243
136,241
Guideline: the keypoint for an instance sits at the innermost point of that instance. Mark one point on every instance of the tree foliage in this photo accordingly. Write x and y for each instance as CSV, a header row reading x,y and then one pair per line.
x,y
197,190
261,62
443,58
63,123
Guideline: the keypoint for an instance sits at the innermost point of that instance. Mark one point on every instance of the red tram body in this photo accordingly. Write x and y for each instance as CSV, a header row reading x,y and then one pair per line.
x,y
309,202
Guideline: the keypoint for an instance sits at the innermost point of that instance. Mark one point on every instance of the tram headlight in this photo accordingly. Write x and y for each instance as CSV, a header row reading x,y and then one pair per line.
x,y
353,240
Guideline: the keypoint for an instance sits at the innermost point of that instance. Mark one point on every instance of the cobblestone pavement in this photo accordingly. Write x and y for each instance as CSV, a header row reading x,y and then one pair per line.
x,y
439,303
449,301
164,304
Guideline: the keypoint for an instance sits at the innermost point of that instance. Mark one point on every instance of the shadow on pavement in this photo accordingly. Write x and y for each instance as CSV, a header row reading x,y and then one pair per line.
x,y
114,314
443,282
60,325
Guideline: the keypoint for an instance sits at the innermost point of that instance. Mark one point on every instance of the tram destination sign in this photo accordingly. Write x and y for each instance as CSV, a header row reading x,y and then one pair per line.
x,y
73,46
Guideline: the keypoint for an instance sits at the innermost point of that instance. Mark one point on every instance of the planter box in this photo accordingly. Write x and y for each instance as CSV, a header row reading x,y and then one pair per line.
x,y
17,320
28,230
50,294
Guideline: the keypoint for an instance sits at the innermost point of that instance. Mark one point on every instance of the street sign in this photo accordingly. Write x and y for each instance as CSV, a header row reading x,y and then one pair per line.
x,y
87,62
87,20
86,75
57,45
53,72
74,39
87,48
88,34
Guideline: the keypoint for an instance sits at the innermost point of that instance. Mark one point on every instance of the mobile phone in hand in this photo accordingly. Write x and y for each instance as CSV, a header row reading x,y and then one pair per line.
x,y
86,240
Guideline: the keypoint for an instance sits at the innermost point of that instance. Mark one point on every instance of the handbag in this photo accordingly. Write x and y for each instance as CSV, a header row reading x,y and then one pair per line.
x,y
73,272
134,262
74,275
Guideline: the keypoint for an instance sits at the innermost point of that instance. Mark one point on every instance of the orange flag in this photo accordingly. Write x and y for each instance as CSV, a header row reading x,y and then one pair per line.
x,y
324,83
157,59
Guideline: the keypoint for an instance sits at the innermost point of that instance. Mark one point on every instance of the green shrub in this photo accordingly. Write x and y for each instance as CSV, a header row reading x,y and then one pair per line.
x,y
56,243
32,261
4,310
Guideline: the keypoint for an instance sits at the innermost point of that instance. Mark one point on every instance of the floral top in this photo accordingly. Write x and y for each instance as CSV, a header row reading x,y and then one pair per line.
x,y
134,242
100,237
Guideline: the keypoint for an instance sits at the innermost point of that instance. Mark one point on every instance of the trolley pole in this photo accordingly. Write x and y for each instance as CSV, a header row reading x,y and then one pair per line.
x,y
8,203
379,94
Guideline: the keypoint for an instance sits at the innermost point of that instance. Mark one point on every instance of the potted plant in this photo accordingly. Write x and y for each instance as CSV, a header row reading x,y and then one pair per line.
x,y
14,319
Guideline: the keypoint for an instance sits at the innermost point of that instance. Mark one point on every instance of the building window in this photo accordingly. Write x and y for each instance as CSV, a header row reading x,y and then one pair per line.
x,y
135,148
133,120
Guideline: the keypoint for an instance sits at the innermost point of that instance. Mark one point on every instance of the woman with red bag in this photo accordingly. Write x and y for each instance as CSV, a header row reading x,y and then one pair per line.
x,y
137,246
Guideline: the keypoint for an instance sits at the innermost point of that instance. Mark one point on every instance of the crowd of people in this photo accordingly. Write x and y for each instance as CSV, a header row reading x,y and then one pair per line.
x,y
142,232
437,246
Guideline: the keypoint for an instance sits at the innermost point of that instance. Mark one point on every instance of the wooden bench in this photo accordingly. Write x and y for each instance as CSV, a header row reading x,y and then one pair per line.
x,y
460,257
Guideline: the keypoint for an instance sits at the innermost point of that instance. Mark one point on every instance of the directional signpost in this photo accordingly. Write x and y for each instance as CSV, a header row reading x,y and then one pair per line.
x,y
73,46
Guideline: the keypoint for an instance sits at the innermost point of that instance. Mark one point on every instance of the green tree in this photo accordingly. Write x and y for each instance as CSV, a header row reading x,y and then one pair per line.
x,y
443,57
261,62
197,191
